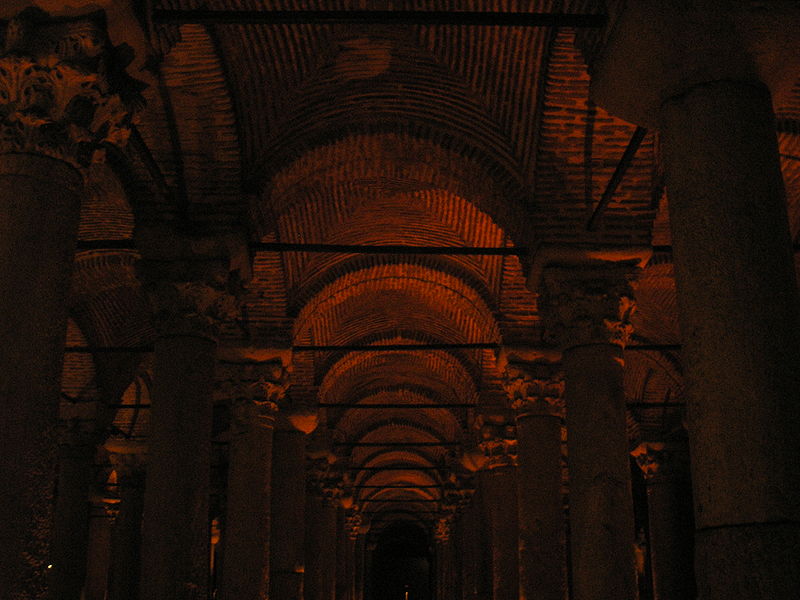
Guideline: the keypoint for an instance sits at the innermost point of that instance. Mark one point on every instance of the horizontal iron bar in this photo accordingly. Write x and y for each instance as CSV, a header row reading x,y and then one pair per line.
x,y
333,248
130,406
389,405
395,468
399,500
105,245
99,349
387,249
377,17
394,444
649,347
395,487
395,347
653,404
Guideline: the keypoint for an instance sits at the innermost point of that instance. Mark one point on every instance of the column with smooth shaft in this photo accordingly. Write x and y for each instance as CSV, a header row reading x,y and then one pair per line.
x,y
320,542
188,280
129,462
498,484
287,538
535,388
102,519
47,67
253,389
71,533
707,75
665,465
585,299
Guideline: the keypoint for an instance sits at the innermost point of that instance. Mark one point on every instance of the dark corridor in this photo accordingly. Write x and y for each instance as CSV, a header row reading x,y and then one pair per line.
x,y
401,562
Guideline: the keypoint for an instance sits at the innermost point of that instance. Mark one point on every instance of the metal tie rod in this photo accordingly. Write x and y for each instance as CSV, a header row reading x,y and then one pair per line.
x,y
377,17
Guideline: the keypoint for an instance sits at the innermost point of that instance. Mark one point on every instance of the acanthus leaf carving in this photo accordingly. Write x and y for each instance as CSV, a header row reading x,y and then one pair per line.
x,y
535,388
64,92
587,305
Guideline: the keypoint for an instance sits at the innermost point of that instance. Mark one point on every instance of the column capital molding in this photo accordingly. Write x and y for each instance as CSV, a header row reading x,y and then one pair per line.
x,y
497,439
443,529
585,294
64,92
664,48
254,390
128,459
535,387
662,460
355,524
77,431
193,282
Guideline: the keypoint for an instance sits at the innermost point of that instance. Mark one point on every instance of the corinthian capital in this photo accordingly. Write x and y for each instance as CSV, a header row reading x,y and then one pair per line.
x,y
193,282
194,308
64,92
534,388
498,439
254,389
660,461
585,293
587,305
443,529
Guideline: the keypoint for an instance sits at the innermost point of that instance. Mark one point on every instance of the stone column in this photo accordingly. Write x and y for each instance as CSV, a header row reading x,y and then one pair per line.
x,y
444,559
101,524
128,461
77,449
320,550
255,390
498,481
535,390
585,304
47,68
705,76
175,532
669,509
342,559
739,318
288,522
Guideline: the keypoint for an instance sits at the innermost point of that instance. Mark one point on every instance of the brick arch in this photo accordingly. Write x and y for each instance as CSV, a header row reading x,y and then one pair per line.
x,y
336,178
345,309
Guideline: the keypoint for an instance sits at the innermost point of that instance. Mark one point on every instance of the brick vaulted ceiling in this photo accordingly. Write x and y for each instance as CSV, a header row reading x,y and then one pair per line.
x,y
376,135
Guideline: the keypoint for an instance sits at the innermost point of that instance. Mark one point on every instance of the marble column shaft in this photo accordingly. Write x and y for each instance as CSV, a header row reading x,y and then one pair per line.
x,y
320,567
126,537
738,309
499,489
246,569
39,210
586,307
669,508
101,525
175,535
288,507
71,525
43,147
535,391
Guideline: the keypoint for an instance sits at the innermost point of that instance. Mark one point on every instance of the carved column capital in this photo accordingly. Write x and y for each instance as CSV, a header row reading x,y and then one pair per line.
x,y
78,434
190,308
534,388
354,522
64,92
254,390
128,459
583,305
443,529
661,461
497,439
193,283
